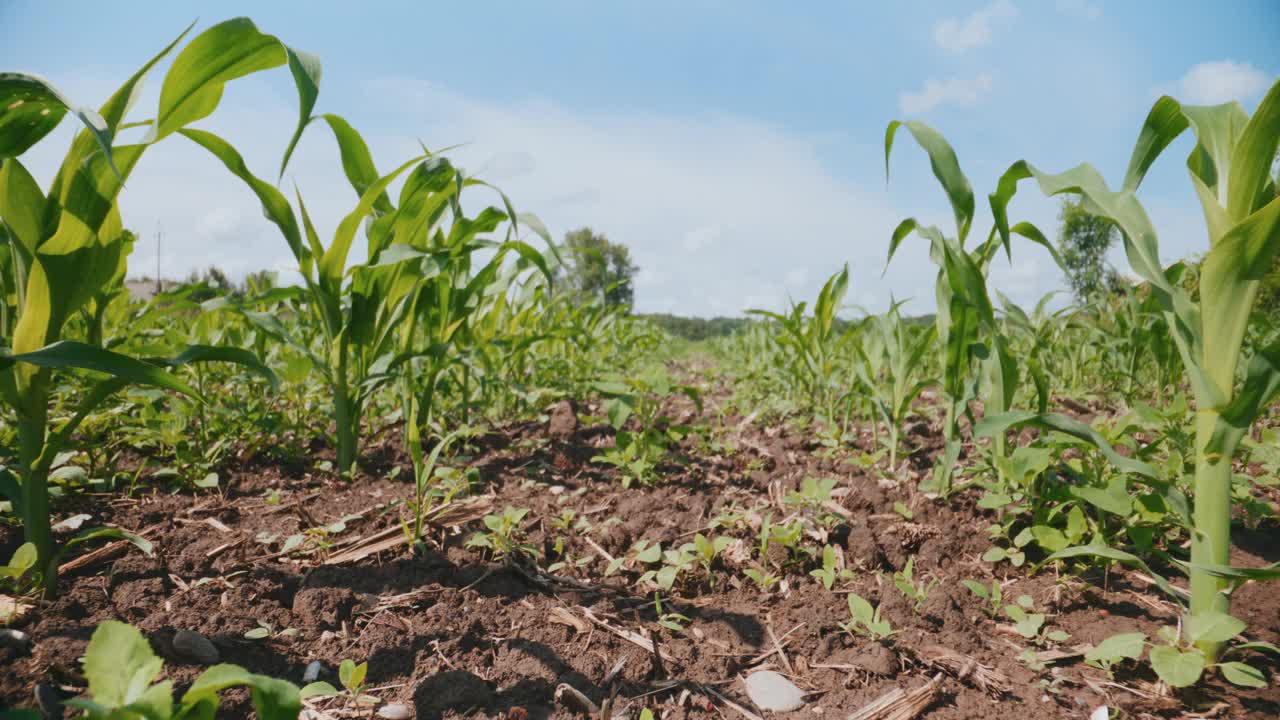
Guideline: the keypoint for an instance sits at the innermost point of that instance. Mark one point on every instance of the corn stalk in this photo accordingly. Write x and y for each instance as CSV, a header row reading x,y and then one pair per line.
x,y
975,350
1229,168
66,248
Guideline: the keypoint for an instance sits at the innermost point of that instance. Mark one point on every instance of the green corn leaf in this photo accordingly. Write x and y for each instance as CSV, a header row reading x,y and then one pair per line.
x,y
305,69
92,534
1228,283
31,107
1110,553
1267,572
1252,156
1163,125
946,168
1003,422
22,205
1261,386
357,161
82,254
232,49
67,354
334,261
274,204
238,356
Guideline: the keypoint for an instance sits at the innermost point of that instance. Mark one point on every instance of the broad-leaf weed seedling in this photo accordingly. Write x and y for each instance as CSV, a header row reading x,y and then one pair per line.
x,y
865,620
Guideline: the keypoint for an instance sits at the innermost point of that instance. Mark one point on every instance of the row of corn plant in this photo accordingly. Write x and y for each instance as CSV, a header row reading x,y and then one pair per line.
x,y
67,247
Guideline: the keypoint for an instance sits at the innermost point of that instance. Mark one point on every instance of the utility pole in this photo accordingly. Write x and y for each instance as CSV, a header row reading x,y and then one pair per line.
x,y
159,237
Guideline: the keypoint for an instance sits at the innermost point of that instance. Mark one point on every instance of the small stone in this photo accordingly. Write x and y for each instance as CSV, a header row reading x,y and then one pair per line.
x,y
773,691
50,701
396,711
195,647
312,672
573,699
14,639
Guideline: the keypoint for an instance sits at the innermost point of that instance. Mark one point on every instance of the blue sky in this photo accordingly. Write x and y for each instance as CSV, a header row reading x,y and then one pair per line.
x,y
736,147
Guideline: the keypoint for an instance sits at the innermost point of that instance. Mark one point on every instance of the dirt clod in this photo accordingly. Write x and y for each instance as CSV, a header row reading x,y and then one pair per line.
x,y
451,690
563,421
324,607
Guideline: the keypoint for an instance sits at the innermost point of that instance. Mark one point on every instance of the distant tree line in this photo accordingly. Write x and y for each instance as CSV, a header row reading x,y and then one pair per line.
x,y
696,328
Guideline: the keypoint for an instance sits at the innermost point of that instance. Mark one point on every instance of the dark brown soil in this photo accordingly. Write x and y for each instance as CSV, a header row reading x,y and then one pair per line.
x,y
452,633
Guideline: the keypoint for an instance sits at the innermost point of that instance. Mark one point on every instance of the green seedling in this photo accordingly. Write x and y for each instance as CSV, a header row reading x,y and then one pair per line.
x,y
865,620
916,592
831,569
994,596
122,670
503,538
267,631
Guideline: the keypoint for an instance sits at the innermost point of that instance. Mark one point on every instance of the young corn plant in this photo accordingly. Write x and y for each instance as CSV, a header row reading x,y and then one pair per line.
x,y
810,343
1230,170
892,367
66,247
368,311
974,347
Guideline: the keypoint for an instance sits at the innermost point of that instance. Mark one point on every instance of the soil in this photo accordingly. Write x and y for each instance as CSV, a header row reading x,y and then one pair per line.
x,y
452,633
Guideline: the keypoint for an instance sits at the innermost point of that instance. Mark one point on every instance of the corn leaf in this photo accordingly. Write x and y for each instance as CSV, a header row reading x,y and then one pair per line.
x,y
67,354
994,425
946,168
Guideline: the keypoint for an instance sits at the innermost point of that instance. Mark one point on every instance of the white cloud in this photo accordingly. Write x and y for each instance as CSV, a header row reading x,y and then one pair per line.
x,y
721,212
1213,83
956,91
974,31
1080,8
717,209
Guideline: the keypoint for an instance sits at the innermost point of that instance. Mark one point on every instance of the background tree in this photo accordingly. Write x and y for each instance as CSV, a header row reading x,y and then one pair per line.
x,y
1083,242
598,268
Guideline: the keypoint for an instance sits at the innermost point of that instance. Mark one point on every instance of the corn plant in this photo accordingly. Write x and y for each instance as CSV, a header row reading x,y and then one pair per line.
x,y
1230,171
66,248
1039,329
810,345
974,347
891,366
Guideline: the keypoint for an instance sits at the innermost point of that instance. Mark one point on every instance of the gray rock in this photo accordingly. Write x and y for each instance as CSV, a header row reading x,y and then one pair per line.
x,y
195,647
50,701
14,639
772,691
396,711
